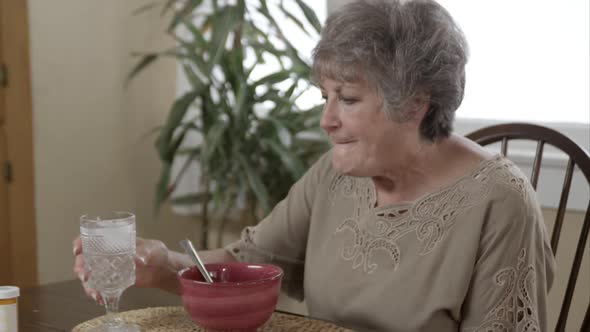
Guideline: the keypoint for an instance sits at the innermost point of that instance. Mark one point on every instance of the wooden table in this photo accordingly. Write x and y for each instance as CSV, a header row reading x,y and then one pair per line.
x,y
63,305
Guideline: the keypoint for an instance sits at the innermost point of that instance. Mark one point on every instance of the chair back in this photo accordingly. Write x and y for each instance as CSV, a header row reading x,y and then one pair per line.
x,y
577,156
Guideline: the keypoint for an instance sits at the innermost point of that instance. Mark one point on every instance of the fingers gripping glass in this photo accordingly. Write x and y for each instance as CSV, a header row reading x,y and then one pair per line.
x,y
108,247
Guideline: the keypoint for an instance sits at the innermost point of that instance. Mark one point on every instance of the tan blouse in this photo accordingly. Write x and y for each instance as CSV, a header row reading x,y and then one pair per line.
x,y
472,256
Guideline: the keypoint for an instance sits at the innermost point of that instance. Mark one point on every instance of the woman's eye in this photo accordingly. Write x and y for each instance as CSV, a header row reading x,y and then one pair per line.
x,y
348,101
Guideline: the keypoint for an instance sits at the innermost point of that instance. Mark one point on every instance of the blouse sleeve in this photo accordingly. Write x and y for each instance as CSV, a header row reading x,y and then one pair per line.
x,y
281,237
514,269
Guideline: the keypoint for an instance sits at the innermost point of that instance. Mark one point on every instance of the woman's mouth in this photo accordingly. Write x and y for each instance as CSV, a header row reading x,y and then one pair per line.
x,y
342,141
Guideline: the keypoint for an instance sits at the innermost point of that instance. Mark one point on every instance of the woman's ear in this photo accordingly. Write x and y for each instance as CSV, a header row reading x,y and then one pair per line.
x,y
420,105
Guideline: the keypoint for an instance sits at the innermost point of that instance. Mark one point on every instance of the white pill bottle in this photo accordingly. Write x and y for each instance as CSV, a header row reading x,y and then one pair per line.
x,y
8,308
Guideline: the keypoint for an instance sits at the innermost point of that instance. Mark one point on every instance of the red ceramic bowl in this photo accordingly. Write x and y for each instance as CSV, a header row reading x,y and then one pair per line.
x,y
242,297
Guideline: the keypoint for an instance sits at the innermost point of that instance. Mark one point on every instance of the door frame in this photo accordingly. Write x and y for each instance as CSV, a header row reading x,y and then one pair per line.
x,y
18,115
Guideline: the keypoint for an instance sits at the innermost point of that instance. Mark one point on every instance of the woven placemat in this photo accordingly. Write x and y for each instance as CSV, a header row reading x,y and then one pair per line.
x,y
166,319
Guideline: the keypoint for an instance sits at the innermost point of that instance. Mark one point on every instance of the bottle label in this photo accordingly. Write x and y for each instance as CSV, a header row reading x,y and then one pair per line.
x,y
8,320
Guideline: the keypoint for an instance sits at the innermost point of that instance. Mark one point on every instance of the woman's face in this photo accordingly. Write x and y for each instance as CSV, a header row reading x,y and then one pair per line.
x,y
365,141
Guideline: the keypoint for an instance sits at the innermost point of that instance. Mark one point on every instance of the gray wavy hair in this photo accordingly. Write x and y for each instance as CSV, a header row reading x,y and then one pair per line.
x,y
404,49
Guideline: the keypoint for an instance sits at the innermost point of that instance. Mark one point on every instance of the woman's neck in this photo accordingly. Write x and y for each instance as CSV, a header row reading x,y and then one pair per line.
x,y
423,169
404,180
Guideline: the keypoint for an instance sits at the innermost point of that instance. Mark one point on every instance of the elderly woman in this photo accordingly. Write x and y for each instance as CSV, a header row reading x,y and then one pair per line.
x,y
402,225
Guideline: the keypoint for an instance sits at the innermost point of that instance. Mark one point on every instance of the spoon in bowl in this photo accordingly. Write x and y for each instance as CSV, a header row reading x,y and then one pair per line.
x,y
188,247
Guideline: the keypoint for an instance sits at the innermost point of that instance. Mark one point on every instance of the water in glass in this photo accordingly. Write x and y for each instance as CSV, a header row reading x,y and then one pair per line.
x,y
108,247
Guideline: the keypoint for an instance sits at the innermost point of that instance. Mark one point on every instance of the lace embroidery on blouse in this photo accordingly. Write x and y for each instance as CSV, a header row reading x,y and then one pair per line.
x,y
516,310
505,172
430,218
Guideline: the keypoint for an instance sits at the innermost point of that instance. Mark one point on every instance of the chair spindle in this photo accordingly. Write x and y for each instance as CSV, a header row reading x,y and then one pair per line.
x,y
562,205
504,146
571,283
537,164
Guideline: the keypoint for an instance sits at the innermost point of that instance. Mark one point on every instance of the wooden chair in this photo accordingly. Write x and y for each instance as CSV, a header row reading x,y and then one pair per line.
x,y
577,157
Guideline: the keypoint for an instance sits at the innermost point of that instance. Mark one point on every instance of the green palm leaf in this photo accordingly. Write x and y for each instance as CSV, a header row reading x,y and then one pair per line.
x,y
189,199
289,160
255,182
145,61
162,189
175,117
273,78
310,15
243,152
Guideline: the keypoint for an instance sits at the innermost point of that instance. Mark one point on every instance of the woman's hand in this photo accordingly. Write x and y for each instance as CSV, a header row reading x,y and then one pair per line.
x,y
153,267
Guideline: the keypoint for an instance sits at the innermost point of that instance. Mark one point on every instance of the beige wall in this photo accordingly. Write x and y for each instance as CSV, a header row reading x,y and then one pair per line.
x,y
89,150
572,226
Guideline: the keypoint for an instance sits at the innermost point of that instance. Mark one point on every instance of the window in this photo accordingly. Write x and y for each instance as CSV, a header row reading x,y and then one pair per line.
x,y
529,62
529,59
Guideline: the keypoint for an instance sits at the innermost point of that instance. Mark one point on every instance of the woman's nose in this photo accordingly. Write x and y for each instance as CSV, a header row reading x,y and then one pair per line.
x,y
329,120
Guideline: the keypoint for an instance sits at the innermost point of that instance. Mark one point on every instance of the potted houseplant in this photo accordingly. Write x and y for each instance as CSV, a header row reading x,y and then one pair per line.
x,y
256,140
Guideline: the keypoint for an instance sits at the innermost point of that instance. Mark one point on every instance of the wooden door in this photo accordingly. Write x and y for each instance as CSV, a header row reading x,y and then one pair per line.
x,y
5,260
18,237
